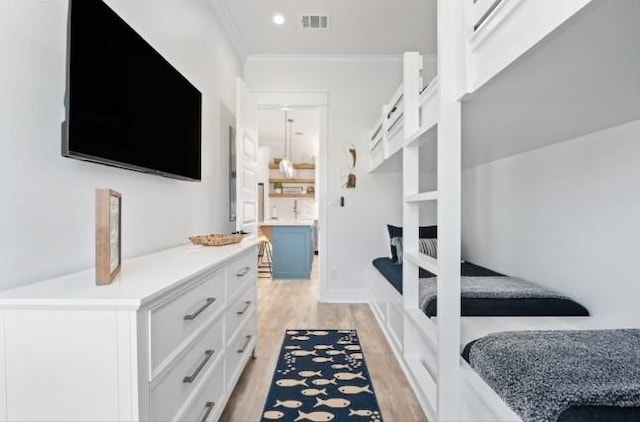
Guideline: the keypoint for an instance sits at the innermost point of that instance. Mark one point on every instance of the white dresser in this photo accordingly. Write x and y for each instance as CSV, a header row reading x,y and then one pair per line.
x,y
167,341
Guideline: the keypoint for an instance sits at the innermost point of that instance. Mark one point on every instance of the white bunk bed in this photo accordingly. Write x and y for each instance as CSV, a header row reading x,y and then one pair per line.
x,y
386,137
498,32
376,145
489,61
393,118
408,120
390,132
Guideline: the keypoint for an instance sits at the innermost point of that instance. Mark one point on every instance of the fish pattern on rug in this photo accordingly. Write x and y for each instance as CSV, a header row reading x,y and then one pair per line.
x,y
321,376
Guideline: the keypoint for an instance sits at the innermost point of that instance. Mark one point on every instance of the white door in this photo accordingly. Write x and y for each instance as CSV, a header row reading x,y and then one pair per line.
x,y
246,160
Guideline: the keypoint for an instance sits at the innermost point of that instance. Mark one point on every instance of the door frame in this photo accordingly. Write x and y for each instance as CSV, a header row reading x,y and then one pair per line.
x,y
246,147
310,99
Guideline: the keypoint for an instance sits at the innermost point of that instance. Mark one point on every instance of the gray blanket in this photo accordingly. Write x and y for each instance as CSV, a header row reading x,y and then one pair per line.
x,y
488,288
539,374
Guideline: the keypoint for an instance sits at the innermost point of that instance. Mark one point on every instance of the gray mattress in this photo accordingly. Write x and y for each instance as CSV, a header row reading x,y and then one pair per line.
x,y
548,376
502,296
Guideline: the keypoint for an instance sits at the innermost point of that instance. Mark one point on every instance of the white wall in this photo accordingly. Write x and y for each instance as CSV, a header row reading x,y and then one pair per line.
x,y
567,216
47,209
357,90
428,210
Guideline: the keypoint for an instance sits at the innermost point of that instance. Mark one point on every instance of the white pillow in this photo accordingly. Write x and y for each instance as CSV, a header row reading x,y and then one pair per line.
x,y
429,247
397,242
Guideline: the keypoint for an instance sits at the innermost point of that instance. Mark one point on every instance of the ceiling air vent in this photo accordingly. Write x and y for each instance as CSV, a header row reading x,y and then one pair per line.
x,y
315,22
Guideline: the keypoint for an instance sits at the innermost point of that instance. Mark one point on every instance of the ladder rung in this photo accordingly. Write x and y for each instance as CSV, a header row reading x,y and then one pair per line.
x,y
415,136
422,197
423,261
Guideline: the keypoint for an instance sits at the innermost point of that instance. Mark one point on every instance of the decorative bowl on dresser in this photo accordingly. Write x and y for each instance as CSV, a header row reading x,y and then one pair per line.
x,y
167,341
217,239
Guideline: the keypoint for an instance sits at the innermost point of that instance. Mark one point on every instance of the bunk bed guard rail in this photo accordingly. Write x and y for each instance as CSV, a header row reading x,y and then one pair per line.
x,y
484,14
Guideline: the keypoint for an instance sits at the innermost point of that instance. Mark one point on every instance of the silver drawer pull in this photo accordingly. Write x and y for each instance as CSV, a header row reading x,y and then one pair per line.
x,y
191,378
201,309
243,272
246,344
208,408
246,307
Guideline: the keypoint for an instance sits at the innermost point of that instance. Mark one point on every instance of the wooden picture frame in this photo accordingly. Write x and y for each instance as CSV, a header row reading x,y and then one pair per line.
x,y
108,235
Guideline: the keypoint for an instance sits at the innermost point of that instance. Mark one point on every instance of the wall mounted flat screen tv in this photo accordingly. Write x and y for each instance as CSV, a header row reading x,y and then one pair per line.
x,y
126,105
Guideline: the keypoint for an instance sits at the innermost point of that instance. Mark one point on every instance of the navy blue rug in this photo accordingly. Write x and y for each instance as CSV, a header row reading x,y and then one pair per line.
x,y
321,376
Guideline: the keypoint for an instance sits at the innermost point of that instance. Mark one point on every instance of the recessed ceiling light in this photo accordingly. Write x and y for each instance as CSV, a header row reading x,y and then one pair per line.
x,y
278,19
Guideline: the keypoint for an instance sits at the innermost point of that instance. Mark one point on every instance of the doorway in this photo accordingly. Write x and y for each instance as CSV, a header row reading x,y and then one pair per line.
x,y
302,116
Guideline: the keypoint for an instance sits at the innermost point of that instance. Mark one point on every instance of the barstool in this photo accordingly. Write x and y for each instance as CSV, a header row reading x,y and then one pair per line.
x,y
265,258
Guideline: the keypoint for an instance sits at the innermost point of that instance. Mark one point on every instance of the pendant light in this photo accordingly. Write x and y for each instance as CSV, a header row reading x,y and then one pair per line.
x,y
292,171
285,163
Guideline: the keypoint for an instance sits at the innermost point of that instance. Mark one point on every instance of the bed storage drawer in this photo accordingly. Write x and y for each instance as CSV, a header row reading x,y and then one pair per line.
x,y
241,310
207,405
423,335
241,270
174,320
174,387
377,294
240,348
395,322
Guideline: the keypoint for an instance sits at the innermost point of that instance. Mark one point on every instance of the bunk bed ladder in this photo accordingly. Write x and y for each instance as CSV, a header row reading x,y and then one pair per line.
x,y
448,197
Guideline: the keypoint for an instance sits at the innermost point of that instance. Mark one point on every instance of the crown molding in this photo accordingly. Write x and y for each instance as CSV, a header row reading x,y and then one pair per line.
x,y
327,60
270,99
230,28
335,60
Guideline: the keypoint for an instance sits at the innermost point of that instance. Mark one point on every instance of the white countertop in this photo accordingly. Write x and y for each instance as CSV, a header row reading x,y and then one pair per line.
x,y
287,222
140,280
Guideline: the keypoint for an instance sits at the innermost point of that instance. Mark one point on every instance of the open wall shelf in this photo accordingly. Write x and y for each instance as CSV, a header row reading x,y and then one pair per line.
x,y
292,180
301,166
291,195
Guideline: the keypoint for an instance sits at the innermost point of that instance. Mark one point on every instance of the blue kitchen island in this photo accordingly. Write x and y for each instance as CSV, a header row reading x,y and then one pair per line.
x,y
292,243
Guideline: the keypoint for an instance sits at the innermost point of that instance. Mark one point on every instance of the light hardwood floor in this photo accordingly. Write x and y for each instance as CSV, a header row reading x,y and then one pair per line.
x,y
288,305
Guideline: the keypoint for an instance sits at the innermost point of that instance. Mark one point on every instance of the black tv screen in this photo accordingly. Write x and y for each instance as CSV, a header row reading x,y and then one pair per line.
x,y
126,105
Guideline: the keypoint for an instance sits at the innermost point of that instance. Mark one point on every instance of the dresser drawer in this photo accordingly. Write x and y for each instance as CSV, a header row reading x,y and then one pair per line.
x,y
170,392
241,310
240,347
207,405
239,271
173,321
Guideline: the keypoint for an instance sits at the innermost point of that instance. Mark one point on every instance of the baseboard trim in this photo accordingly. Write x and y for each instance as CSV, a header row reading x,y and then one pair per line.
x,y
345,296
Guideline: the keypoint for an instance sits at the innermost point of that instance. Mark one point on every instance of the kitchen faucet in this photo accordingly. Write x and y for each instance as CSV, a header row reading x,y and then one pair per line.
x,y
295,208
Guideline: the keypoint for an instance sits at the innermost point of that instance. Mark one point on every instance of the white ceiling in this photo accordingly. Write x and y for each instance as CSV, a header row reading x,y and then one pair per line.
x,y
355,26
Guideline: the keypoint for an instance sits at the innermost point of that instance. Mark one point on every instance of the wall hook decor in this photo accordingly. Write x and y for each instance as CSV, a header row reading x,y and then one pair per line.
x,y
351,177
